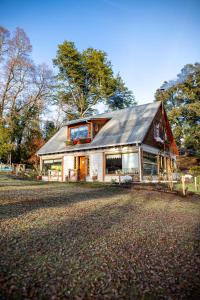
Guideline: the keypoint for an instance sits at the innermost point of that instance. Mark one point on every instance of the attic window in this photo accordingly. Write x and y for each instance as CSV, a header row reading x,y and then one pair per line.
x,y
158,132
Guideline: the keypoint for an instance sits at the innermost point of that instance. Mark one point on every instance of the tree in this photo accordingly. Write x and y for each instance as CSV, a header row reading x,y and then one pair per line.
x,y
25,88
49,129
182,101
85,79
122,97
35,144
5,146
4,36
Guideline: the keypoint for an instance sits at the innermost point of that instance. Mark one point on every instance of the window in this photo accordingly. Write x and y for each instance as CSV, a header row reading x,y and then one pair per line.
x,y
158,132
149,164
79,132
53,165
113,163
126,163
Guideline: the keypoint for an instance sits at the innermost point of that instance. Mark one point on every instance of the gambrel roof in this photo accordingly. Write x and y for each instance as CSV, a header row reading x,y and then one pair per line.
x,y
125,127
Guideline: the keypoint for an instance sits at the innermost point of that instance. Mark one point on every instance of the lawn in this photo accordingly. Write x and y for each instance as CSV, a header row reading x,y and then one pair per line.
x,y
84,241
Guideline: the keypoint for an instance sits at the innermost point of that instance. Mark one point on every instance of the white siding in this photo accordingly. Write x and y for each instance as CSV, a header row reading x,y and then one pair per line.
x,y
110,178
96,165
68,163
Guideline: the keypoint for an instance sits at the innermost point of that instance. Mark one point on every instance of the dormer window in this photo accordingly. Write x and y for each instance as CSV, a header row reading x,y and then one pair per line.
x,y
79,132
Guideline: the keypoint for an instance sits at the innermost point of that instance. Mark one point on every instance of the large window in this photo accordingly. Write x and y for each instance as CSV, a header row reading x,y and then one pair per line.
x,y
126,163
149,164
79,132
53,165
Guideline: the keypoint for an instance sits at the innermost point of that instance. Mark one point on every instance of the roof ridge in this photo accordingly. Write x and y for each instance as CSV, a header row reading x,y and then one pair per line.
x,y
107,113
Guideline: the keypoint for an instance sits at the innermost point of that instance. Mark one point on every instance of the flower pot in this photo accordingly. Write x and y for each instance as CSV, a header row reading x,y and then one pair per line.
x,y
68,143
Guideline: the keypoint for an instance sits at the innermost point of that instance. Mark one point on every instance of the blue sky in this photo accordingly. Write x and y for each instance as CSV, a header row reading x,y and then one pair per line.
x,y
147,41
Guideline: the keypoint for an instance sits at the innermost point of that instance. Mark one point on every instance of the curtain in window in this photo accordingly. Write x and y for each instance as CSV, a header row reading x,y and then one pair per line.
x,y
130,162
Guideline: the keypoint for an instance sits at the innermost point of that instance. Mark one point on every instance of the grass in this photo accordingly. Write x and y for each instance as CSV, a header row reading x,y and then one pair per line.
x,y
94,241
190,187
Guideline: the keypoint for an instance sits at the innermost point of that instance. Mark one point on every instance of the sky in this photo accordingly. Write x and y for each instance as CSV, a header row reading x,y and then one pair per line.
x,y
147,42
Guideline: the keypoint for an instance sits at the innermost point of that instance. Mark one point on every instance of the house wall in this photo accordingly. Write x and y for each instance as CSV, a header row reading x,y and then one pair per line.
x,y
96,165
149,139
68,163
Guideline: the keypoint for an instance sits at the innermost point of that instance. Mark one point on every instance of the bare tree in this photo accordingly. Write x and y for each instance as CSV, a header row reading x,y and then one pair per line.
x,y
25,89
4,36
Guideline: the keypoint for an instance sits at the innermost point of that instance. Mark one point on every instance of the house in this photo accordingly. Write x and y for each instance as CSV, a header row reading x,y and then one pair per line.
x,y
133,143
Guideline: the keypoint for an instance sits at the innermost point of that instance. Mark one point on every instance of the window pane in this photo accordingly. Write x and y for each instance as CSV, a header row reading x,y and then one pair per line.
x,y
113,163
149,158
150,169
55,165
130,163
79,132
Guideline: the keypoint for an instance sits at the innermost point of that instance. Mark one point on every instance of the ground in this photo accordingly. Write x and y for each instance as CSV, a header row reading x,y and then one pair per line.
x,y
84,241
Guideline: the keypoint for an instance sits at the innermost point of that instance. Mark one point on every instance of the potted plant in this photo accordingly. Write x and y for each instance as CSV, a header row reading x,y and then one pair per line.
x,y
88,140
39,176
94,175
84,140
68,143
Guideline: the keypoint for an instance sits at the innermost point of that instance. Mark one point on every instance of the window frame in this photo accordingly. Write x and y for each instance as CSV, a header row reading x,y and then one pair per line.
x,y
149,163
77,127
49,163
111,174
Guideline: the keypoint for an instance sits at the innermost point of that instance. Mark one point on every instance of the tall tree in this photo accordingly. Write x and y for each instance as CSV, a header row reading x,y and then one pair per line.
x,y
182,101
4,36
122,97
86,78
5,145
49,129
24,87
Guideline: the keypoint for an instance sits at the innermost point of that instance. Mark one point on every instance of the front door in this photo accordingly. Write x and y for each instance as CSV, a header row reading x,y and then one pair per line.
x,y
82,168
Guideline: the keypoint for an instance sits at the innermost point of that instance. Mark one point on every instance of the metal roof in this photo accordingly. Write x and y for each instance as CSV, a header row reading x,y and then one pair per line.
x,y
125,127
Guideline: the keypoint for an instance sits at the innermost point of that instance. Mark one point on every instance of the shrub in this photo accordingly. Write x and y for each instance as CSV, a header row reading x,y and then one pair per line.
x,y
195,171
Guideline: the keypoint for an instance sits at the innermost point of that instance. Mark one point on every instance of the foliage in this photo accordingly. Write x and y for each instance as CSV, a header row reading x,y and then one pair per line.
x,y
34,146
49,129
182,101
5,145
122,97
86,78
195,171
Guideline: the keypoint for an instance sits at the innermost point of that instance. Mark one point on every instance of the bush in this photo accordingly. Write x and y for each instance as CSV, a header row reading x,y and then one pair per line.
x,y
195,171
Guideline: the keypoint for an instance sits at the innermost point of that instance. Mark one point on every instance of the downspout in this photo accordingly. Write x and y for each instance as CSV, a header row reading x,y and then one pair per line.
x,y
40,164
140,162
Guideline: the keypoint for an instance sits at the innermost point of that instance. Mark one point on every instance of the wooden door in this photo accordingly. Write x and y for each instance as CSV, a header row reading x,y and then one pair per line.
x,y
82,168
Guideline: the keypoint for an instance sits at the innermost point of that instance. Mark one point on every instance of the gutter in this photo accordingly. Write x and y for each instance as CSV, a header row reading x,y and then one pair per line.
x,y
91,148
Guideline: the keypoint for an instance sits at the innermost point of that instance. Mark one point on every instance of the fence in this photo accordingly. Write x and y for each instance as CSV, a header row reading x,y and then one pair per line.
x,y
191,184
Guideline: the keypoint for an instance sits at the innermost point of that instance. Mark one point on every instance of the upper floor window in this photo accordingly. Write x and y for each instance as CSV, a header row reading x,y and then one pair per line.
x,y
158,132
79,132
